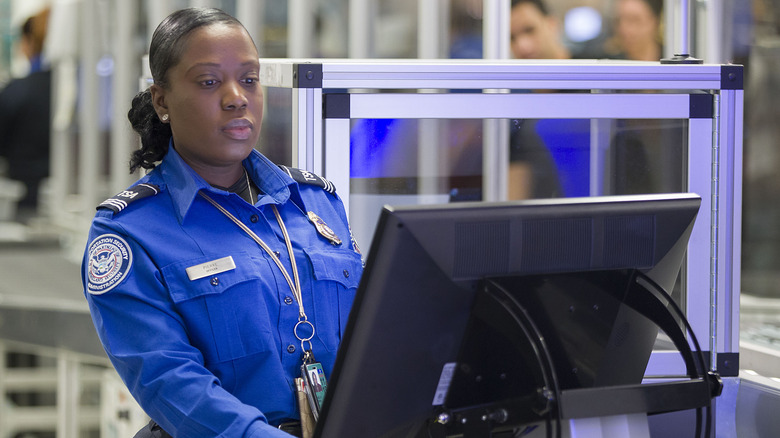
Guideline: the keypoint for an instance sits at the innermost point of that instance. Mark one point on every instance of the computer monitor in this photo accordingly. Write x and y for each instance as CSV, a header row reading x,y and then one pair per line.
x,y
412,342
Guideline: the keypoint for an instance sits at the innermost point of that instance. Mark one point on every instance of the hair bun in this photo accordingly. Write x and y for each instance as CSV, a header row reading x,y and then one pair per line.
x,y
154,134
141,110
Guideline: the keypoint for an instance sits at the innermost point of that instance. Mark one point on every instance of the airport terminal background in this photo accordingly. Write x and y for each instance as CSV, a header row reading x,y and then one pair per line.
x,y
94,49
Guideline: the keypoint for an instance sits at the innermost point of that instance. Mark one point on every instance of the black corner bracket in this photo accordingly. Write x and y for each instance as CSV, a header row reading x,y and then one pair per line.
x,y
731,77
728,364
702,106
307,75
335,106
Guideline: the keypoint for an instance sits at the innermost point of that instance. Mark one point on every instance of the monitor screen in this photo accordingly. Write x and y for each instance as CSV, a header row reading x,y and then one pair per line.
x,y
419,310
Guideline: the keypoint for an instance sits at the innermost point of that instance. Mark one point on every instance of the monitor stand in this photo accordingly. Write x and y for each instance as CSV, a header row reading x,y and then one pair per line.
x,y
512,372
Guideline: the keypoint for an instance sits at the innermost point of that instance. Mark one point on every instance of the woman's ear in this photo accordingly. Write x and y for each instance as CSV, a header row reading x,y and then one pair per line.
x,y
158,100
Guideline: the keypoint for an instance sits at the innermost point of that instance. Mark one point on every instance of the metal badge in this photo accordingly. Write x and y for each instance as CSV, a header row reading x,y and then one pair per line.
x,y
213,267
323,228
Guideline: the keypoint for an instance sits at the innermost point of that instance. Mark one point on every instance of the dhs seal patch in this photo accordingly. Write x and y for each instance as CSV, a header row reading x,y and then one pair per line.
x,y
108,263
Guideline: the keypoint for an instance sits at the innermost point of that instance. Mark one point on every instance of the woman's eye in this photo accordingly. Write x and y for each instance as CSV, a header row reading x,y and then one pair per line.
x,y
250,81
208,82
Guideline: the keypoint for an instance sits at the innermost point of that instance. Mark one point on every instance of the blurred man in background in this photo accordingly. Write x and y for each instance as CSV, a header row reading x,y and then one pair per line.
x,y
535,32
25,117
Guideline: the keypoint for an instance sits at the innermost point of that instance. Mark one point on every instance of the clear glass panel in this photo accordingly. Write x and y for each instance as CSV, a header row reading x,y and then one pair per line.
x,y
276,131
547,157
647,156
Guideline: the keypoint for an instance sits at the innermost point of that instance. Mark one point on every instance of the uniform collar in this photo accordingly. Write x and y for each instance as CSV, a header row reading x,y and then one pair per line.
x,y
184,183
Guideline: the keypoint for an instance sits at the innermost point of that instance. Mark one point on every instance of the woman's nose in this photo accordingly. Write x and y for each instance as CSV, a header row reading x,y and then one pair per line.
x,y
234,97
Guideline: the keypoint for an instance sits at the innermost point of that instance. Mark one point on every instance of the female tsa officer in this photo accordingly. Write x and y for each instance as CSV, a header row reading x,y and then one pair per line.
x,y
211,277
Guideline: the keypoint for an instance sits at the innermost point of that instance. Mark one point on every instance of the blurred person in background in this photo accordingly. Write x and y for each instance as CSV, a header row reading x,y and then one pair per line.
x,y
638,30
25,117
535,33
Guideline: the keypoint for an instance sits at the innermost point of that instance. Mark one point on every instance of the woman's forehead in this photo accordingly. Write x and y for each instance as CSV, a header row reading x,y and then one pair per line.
x,y
219,41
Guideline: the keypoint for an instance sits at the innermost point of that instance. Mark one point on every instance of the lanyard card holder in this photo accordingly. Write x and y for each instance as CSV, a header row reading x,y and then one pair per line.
x,y
314,381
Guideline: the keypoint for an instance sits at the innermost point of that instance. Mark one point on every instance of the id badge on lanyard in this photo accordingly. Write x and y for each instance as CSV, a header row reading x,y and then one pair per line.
x,y
315,383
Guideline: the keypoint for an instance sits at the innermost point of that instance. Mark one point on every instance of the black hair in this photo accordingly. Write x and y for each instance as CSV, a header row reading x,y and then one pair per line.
x,y
656,6
34,30
165,52
540,4
27,27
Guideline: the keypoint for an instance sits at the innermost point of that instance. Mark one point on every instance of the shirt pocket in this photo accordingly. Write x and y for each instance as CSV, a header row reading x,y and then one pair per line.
x,y
336,278
227,314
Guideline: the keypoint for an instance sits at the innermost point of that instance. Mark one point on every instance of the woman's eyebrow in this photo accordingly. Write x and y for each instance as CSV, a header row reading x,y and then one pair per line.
x,y
203,64
250,63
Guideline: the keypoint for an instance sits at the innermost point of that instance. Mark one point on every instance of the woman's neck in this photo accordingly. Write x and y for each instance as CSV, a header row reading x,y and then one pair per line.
x,y
222,176
243,187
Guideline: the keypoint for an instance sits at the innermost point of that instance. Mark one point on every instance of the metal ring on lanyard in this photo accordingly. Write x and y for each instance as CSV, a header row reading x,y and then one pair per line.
x,y
304,339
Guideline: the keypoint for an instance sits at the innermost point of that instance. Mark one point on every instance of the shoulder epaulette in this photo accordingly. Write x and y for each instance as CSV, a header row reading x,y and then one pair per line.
x,y
305,177
122,199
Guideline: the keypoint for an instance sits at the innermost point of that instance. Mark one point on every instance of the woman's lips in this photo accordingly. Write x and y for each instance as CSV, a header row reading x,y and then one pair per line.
x,y
238,129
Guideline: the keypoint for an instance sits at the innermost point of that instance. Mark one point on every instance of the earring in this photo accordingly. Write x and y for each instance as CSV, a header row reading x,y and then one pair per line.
x,y
164,117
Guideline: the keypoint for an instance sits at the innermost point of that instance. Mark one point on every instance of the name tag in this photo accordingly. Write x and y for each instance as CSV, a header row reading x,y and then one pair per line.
x,y
210,268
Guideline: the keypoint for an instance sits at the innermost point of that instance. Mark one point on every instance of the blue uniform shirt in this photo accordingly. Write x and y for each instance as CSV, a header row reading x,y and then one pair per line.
x,y
211,352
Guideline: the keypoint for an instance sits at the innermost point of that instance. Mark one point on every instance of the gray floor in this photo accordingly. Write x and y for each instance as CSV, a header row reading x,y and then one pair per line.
x,y
41,299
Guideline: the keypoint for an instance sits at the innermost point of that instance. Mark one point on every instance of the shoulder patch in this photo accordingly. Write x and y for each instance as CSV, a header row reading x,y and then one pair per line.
x,y
122,199
305,177
108,262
